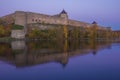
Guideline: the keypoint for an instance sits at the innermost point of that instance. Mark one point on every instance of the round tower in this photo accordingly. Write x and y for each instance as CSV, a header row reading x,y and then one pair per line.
x,y
64,15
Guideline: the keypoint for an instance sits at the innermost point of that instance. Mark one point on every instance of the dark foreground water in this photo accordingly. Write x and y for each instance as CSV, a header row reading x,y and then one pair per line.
x,y
59,60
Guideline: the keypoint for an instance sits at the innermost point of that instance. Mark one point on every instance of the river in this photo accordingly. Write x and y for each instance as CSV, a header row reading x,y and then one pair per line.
x,y
59,60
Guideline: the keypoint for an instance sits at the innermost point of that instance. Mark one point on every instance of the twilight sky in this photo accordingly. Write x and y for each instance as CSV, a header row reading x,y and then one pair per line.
x,y
104,12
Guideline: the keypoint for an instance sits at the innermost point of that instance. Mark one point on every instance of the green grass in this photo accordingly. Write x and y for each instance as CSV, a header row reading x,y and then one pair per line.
x,y
17,27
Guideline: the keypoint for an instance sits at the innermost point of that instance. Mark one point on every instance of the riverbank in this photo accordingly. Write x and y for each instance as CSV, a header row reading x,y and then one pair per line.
x,y
9,39
6,39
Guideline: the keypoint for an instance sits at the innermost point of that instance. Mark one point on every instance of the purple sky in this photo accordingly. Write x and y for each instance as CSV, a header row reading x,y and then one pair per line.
x,y
104,12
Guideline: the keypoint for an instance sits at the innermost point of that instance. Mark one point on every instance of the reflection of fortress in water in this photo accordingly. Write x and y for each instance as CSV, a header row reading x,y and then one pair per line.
x,y
21,53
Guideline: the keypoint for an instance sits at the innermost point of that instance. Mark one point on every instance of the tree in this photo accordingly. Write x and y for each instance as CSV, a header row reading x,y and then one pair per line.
x,y
2,31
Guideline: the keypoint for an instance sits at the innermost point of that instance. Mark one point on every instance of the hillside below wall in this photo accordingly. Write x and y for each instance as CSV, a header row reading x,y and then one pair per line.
x,y
9,19
41,27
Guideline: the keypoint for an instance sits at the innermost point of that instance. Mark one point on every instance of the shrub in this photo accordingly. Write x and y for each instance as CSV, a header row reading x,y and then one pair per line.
x,y
42,34
17,27
2,31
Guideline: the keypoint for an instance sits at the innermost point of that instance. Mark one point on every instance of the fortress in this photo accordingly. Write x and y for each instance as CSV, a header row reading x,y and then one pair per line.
x,y
25,18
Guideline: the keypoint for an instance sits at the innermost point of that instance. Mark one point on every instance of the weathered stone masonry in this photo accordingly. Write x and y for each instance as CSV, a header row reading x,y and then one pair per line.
x,y
25,18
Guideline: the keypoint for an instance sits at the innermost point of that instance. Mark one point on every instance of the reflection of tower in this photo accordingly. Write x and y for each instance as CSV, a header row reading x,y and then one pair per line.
x,y
94,52
64,61
19,49
94,48
18,45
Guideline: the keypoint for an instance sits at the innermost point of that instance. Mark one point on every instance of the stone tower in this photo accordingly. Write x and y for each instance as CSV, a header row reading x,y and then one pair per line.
x,y
64,15
20,19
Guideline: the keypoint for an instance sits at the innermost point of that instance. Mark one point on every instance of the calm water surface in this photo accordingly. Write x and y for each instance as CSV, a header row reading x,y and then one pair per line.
x,y
59,60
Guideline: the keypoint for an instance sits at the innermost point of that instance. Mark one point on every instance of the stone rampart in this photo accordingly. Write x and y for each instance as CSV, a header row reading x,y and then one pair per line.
x,y
77,23
19,34
20,18
40,18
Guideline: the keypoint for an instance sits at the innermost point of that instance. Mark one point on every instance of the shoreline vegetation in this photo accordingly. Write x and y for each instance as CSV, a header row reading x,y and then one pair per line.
x,y
55,32
35,39
6,39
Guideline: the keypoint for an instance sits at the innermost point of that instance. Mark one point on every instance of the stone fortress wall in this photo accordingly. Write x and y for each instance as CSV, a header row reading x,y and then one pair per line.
x,y
25,18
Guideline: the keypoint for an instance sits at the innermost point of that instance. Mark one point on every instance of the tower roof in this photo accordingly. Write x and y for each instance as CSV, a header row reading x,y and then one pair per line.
x,y
94,22
63,12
